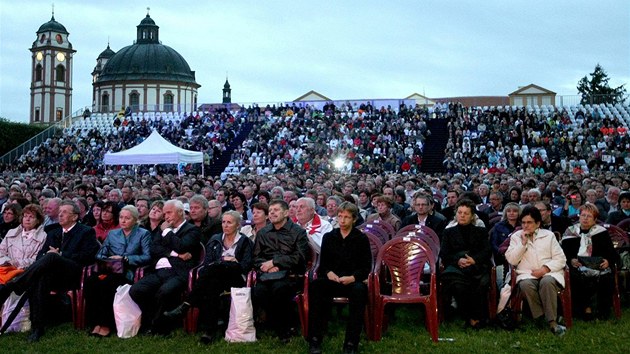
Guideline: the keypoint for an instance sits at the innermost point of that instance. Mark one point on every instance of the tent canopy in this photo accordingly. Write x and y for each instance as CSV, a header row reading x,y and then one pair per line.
x,y
153,150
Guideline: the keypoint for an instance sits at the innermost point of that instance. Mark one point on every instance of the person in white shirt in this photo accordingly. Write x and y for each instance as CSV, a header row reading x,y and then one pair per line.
x,y
314,225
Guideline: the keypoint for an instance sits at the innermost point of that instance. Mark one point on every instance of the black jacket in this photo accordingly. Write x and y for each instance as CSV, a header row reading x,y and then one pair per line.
x,y
345,257
79,245
244,252
187,239
287,246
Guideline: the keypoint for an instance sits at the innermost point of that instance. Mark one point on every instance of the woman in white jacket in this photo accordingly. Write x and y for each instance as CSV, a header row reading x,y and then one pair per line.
x,y
539,262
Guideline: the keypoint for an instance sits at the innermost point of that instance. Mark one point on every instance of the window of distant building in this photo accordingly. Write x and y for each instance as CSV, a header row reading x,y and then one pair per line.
x,y
60,73
168,101
134,100
105,102
38,72
36,117
59,114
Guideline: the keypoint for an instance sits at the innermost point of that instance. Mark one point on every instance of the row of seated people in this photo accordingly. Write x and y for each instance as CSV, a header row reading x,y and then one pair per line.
x,y
179,252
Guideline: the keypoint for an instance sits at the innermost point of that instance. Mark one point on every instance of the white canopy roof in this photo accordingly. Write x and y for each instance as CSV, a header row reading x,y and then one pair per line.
x,y
153,150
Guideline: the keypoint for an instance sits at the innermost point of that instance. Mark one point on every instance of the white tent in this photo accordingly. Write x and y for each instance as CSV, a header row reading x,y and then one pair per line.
x,y
153,150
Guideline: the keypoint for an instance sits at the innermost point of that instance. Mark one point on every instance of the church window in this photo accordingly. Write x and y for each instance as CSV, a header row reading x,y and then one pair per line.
x,y
60,73
38,72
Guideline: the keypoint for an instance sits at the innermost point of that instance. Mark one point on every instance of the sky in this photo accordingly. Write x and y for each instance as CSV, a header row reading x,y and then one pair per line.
x,y
275,50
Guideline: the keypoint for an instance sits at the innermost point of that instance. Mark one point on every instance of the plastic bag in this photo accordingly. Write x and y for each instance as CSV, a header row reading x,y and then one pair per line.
x,y
21,323
127,314
241,326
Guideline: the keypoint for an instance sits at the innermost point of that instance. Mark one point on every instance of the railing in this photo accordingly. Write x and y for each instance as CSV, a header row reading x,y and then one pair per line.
x,y
38,139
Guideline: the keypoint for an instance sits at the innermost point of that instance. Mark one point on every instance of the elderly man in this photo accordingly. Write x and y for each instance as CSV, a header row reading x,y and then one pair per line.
x,y
623,213
281,250
484,192
314,225
384,212
248,192
175,251
424,215
609,203
496,204
59,265
200,209
52,214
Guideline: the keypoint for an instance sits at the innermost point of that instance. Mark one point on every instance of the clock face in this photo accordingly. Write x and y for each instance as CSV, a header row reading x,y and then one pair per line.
x,y
59,39
42,38
39,56
61,57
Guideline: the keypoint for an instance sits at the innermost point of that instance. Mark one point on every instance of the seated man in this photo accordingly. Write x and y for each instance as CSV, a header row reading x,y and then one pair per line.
x,y
59,265
425,215
281,251
175,252
314,225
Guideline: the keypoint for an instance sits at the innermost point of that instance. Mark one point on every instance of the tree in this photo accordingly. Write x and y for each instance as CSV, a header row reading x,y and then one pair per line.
x,y
596,90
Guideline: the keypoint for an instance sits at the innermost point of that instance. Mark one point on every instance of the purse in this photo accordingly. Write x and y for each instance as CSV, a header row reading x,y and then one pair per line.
x,y
591,262
111,266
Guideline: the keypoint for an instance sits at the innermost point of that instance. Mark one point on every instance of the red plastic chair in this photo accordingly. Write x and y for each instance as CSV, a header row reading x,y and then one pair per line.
x,y
564,295
377,230
405,258
620,241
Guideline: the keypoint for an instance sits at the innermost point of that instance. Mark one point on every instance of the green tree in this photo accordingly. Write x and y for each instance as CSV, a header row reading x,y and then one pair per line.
x,y
596,90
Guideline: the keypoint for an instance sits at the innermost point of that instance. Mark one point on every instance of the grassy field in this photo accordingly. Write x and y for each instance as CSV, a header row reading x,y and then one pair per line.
x,y
405,335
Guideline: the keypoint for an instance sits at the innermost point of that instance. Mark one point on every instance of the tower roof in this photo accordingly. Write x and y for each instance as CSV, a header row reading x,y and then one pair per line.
x,y
52,25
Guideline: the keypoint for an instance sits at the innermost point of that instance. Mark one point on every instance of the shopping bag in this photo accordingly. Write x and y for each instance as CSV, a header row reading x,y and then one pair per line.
x,y
21,322
127,314
241,326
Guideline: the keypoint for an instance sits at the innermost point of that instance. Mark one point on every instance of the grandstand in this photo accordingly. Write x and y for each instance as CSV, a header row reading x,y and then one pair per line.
x,y
446,137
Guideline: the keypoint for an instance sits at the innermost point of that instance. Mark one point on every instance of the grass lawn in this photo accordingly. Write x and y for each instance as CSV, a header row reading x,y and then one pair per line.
x,y
405,335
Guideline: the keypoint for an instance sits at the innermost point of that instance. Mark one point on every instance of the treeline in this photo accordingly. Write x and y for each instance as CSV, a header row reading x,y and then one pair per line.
x,y
13,134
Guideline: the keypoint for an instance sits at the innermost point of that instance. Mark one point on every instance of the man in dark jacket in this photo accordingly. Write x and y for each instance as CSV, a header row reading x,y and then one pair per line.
x,y
59,265
175,252
281,252
424,215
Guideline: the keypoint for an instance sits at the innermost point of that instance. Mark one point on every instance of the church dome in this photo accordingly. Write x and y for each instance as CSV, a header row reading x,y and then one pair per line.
x,y
147,59
107,53
52,25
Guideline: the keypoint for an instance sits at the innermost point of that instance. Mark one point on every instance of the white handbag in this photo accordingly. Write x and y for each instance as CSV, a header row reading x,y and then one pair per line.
x,y
127,314
241,326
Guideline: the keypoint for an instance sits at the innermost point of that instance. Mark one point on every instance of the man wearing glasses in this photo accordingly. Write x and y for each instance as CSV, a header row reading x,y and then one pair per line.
x,y
424,215
550,221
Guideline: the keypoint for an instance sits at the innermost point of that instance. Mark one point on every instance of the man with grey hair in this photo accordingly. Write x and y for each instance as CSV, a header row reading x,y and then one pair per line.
x,y
315,226
534,195
52,214
484,192
175,252
609,203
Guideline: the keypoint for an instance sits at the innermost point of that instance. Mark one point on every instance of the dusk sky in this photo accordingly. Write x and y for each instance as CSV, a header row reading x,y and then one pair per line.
x,y
276,51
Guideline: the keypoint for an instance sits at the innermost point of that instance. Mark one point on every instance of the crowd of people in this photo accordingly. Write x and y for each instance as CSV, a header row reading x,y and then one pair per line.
x,y
54,224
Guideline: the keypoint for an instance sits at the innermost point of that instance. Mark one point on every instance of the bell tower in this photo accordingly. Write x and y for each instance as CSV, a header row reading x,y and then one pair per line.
x,y
51,74
227,92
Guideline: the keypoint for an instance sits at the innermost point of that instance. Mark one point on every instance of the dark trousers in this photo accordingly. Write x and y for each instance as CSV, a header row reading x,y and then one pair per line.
x,y
51,272
157,292
213,280
99,291
592,292
470,293
321,293
276,298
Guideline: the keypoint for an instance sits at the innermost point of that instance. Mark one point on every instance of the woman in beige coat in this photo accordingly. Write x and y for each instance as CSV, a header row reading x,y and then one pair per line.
x,y
539,262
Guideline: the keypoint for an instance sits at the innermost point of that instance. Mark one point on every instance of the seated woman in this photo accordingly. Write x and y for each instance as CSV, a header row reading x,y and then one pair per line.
x,y
129,243
539,262
502,230
466,253
20,246
10,217
571,206
240,204
108,220
229,257
260,211
155,219
345,262
589,242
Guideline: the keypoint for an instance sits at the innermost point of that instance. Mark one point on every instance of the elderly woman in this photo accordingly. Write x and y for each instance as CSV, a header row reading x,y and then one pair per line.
x,y
502,230
229,257
20,246
10,217
539,263
129,243
108,220
591,257
345,262
466,253
260,211
240,204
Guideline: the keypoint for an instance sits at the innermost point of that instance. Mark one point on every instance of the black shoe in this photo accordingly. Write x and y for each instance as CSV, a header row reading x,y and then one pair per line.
x,y
350,348
177,312
207,338
315,346
35,335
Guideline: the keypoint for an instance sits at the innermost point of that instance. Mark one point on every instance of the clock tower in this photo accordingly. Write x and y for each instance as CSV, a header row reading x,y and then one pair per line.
x,y
51,74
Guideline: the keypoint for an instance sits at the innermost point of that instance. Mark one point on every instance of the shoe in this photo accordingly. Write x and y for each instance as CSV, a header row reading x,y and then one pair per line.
x,y
349,348
36,335
177,312
315,346
207,338
559,330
